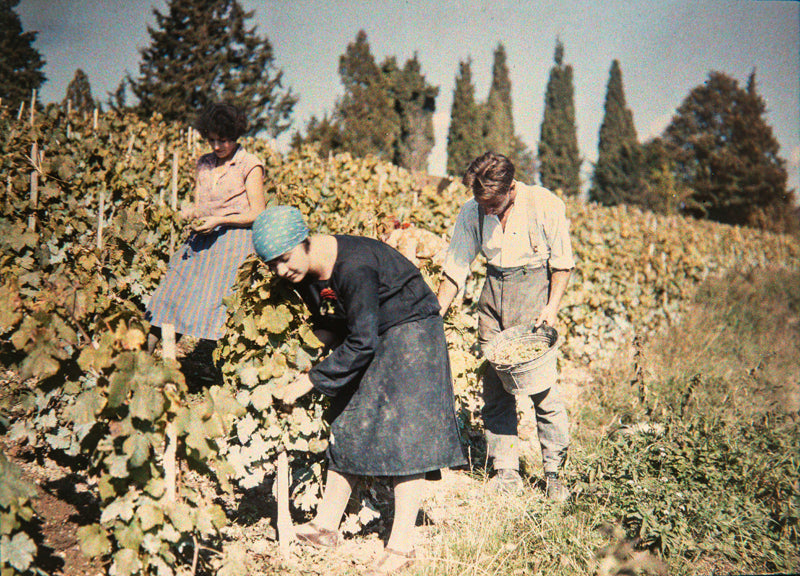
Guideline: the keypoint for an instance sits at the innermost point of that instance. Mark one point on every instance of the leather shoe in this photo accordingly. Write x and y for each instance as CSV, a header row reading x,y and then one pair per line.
x,y
320,537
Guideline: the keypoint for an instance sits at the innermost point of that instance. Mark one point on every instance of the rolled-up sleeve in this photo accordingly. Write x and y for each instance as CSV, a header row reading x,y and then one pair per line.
x,y
557,233
464,245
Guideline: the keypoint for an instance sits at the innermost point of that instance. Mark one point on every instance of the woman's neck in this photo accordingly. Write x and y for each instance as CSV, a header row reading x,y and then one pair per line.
x,y
322,252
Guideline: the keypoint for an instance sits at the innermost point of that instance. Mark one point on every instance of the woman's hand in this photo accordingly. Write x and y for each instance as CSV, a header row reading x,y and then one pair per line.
x,y
188,211
207,224
301,386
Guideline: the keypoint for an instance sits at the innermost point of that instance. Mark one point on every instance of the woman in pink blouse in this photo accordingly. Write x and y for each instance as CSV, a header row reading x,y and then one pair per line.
x,y
229,194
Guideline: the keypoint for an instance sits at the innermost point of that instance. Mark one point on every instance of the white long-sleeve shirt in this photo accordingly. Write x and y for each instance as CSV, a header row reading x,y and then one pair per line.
x,y
536,234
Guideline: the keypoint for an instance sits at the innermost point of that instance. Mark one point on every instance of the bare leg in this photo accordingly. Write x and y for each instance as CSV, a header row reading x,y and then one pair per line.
x,y
152,341
408,492
338,488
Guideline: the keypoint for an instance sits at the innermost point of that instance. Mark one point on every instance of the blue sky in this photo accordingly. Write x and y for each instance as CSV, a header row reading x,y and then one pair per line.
x,y
665,49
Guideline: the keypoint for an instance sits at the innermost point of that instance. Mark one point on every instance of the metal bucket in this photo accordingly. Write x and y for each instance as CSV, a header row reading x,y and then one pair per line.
x,y
531,376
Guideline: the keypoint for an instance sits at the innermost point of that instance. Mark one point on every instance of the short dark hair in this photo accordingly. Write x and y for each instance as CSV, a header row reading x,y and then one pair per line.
x,y
223,119
489,176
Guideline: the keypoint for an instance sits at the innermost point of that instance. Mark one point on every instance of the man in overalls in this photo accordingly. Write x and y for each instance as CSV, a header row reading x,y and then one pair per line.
x,y
524,234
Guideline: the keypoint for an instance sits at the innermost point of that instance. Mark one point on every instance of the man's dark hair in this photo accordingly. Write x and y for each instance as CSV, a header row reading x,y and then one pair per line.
x,y
224,120
489,176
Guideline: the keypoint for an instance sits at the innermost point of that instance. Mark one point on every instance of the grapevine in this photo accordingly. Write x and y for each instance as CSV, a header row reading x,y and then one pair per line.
x,y
79,261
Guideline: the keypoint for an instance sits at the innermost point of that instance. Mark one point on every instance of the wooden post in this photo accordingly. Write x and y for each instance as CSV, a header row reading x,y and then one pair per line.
x,y
33,106
285,528
174,199
21,109
168,352
69,107
94,120
130,146
160,155
100,210
34,187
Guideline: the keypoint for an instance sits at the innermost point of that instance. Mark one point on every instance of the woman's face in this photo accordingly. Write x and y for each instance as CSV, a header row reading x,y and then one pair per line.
x,y
222,147
292,265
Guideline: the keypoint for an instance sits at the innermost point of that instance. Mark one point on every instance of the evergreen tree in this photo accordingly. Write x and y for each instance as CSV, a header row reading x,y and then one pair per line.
x,y
117,99
661,192
79,93
20,63
324,133
559,160
415,102
725,152
499,118
617,175
366,113
202,51
385,111
465,135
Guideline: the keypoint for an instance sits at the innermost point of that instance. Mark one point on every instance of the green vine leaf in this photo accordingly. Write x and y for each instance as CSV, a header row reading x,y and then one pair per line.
x,y
94,540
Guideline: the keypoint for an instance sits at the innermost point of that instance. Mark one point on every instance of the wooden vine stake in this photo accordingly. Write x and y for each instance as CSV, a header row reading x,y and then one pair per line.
x,y
33,107
100,211
168,352
285,528
160,160
94,120
34,187
174,198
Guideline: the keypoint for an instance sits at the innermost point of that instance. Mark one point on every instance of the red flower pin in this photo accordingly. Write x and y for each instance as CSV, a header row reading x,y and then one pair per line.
x,y
327,294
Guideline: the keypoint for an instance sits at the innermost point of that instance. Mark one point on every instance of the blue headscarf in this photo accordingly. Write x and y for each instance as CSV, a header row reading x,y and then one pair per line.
x,y
277,230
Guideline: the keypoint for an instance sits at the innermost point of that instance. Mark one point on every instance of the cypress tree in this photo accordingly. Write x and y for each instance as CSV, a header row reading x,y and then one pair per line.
x,y
559,161
617,175
79,92
726,154
499,127
465,134
499,133
365,114
386,111
202,51
415,103
20,63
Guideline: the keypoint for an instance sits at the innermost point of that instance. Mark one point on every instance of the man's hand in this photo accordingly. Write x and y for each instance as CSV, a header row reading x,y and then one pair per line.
x,y
447,292
301,386
547,315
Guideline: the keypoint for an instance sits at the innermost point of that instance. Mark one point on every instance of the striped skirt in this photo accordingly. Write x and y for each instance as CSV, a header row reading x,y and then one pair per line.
x,y
201,273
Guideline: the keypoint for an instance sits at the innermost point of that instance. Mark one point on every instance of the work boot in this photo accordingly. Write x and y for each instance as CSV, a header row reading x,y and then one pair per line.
x,y
556,489
507,481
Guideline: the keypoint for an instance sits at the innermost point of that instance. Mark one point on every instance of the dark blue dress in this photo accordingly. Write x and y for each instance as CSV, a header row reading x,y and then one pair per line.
x,y
390,382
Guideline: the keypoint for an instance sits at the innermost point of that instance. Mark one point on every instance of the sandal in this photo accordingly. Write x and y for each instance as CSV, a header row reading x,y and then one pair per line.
x,y
320,537
383,567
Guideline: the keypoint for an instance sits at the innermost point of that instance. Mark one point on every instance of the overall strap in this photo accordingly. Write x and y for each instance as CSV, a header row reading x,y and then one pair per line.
x,y
533,223
480,226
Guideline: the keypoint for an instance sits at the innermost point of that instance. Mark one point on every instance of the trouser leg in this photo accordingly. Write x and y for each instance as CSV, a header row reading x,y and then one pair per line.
x,y
552,425
500,422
